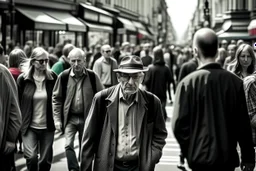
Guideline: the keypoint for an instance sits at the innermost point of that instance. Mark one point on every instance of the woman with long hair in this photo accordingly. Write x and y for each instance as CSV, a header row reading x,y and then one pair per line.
x,y
244,62
35,87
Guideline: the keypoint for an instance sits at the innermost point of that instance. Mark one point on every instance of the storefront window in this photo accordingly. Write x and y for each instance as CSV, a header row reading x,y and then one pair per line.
x,y
79,41
98,38
35,36
64,36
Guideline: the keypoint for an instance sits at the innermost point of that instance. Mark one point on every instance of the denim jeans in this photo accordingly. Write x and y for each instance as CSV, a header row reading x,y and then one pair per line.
x,y
38,141
75,124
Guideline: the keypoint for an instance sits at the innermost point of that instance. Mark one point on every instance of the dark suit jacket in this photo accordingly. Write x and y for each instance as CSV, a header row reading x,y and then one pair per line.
x,y
210,117
100,135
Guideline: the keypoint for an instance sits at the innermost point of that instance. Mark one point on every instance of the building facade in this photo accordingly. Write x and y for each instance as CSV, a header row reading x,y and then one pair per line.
x,y
231,19
84,23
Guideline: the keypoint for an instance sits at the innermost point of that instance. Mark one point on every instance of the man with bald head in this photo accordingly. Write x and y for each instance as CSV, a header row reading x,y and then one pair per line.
x,y
72,98
210,114
104,67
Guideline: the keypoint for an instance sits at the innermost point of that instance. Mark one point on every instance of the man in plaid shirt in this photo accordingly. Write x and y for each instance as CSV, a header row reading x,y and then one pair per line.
x,y
250,94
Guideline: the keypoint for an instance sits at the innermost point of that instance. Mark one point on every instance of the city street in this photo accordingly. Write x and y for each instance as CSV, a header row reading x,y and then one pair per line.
x,y
168,162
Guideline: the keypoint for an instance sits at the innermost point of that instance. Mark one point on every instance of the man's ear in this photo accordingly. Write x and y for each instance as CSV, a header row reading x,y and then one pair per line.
x,y
195,52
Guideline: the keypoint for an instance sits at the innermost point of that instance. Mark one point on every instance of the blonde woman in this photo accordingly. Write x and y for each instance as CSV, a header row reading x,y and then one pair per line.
x,y
244,62
35,91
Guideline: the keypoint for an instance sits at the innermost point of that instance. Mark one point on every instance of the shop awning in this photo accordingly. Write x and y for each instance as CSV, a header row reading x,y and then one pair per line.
x,y
151,31
73,24
127,24
41,20
95,9
234,35
144,33
138,25
98,27
252,28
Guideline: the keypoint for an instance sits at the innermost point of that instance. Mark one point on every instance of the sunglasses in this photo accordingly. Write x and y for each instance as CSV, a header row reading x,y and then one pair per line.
x,y
41,61
108,51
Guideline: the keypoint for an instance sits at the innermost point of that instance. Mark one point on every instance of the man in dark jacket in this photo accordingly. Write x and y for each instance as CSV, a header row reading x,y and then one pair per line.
x,y
210,114
125,128
10,119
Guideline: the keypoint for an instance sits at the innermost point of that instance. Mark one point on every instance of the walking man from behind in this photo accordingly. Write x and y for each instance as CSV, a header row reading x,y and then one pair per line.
x,y
72,98
210,115
125,129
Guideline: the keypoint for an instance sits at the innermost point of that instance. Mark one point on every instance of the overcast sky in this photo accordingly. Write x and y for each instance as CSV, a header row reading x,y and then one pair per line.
x,y
181,11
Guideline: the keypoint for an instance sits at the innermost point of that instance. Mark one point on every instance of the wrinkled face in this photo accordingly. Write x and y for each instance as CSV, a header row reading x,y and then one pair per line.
x,y
40,63
130,82
245,59
106,52
232,51
77,63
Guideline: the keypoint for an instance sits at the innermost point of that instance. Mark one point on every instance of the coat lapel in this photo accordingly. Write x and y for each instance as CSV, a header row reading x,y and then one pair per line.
x,y
142,109
112,109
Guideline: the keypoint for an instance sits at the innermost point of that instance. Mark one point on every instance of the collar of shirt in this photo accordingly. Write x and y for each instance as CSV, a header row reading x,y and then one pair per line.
x,y
72,74
105,60
121,96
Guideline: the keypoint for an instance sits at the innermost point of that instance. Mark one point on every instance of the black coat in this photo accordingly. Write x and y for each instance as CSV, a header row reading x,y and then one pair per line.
x,y
210,117
187,68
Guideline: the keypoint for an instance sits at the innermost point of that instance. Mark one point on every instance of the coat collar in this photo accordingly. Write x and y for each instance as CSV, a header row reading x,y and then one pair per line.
x,y
212,65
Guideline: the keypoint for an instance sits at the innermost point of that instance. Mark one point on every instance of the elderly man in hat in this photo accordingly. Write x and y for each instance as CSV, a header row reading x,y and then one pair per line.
x,y
125,129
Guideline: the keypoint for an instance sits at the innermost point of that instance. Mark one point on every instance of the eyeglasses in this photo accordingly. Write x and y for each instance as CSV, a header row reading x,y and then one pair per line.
x,y
126,77
41,61
108,51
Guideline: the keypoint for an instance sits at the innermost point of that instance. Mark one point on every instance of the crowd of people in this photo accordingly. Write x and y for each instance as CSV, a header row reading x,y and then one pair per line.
x,y
115,99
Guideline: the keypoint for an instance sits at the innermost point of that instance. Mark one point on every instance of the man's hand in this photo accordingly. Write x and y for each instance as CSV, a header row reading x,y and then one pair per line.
x,y
58,126
247,166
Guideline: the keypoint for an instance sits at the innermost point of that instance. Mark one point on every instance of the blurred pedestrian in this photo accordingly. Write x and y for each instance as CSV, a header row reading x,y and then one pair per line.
x,y
10,119
224,44
116,51
72,98
244,63
58,50
222,55
231,55
3,59
35,91
205,102
125,129
16,58
169,59
239,42
104,67
63,62
158,77
146,59
125,50
96,55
